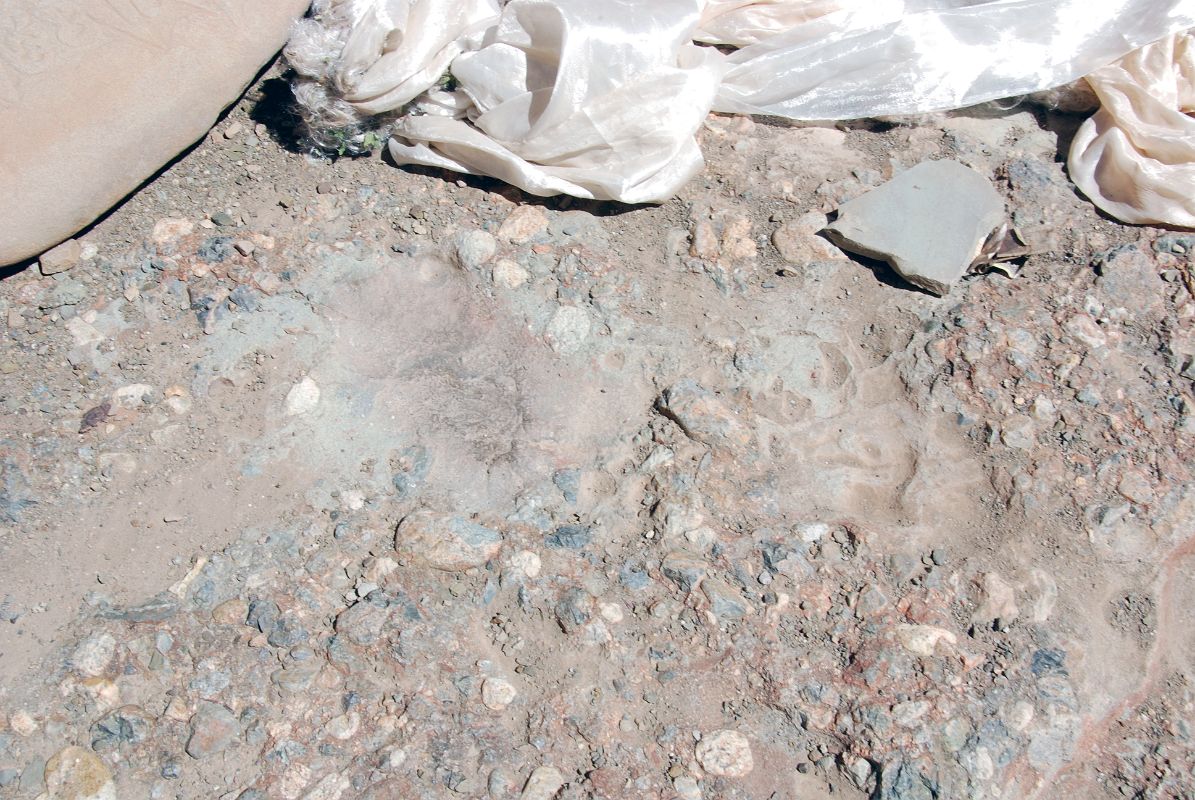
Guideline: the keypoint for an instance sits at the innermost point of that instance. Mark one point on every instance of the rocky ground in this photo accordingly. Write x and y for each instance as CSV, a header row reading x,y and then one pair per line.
x,y
323,479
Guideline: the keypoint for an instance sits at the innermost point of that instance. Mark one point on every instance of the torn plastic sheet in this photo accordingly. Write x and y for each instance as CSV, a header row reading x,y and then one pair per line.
x,y
602,98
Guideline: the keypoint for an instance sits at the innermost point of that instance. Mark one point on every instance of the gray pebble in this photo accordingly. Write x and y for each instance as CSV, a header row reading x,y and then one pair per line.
x,y
127,725
570,537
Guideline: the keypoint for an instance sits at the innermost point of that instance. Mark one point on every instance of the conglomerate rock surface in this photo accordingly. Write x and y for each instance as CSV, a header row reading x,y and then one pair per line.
x,y
328,480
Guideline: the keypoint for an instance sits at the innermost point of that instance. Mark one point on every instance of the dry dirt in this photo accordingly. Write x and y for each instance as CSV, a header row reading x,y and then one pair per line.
x,y
325,479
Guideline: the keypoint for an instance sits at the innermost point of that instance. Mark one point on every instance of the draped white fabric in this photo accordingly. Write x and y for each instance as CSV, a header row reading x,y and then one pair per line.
x,y
601,98
1135,158
567,99
397,49
888,57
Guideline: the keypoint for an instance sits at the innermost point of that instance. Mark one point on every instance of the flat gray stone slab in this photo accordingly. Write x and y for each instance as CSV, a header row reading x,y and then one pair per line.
x,y
929,223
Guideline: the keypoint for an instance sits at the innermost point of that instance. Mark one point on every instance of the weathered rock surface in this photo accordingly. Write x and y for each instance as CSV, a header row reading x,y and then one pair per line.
x,y
448,542
903,548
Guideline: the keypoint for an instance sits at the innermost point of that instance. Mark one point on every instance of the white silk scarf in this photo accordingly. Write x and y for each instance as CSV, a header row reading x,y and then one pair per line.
x,y
601,98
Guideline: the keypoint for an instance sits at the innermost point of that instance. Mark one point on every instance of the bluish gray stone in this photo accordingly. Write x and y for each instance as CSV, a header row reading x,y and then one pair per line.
x,y
902,781
570,537
127,725
287,633
568,481
574,609
1048,661
634,577
725,601
215,249
929,222
263,614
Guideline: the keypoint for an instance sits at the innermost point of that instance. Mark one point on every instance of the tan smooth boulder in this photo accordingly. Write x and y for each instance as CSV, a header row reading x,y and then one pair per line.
x,y
96,96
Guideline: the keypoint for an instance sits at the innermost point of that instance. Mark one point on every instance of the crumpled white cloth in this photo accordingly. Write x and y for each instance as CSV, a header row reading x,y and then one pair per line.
x,y
601,98
566,99
1135,158
358,58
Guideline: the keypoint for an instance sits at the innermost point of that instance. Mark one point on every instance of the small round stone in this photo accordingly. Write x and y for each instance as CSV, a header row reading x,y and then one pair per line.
x,y
509,274
527,562
344,726
475,248
497,693
543,784
22,723
75,773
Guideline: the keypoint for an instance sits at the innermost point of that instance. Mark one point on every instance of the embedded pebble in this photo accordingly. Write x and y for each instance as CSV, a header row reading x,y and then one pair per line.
x,y
509,274
799,246
127,725
527,562
726,603
568,329
448,542
725,753
474,248
685,569
611,612
1019,432
999,601
922,640
92,656
22,723
703,415
60,258
303,397
167,229
522,224
343,726
687,787
497,693
213,729
543,784
74,773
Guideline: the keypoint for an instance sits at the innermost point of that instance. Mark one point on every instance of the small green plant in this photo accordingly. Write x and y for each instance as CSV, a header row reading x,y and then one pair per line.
x,y
447,82
350,141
